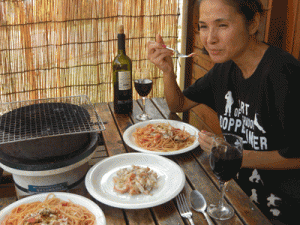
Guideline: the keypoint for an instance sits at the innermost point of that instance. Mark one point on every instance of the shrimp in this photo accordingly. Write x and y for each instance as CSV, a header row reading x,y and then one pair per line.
x,y
135,180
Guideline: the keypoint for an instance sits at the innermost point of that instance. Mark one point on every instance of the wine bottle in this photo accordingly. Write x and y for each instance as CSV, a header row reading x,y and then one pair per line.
x,y
122,77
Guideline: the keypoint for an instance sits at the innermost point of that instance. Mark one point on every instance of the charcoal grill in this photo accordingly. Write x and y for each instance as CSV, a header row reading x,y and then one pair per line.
x,y
43,128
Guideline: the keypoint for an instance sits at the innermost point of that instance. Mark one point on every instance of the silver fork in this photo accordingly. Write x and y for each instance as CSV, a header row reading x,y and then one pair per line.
x,y
184,208
179,54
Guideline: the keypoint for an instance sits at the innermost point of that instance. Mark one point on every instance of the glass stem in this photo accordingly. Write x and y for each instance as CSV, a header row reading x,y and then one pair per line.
x,y
144,105
222,187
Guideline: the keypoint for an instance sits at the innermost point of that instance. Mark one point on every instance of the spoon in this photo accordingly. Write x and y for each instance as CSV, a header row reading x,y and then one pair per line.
x,y
199,204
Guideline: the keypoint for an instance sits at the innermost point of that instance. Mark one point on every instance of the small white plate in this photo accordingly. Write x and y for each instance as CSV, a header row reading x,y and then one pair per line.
x,y
130,140
77,199
99,180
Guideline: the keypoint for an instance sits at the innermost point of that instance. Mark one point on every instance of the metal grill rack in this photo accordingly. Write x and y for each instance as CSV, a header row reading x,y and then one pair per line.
x,y
32,119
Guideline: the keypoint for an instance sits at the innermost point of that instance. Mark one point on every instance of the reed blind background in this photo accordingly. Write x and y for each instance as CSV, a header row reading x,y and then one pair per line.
x,y
59,48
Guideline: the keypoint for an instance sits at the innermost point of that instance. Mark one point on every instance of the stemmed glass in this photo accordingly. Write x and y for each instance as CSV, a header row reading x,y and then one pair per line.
x,y
225,160
143,88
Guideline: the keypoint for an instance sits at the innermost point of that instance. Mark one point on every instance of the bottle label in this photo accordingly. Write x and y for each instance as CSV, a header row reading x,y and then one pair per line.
x,y
124,80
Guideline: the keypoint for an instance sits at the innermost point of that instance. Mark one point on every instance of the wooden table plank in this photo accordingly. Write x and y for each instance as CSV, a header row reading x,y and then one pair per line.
x,y
113,215
7,190
139,216
162,106
113,142
114,145
5,201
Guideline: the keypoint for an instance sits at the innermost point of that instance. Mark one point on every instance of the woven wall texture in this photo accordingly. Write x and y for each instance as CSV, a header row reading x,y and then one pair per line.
x,y
58,48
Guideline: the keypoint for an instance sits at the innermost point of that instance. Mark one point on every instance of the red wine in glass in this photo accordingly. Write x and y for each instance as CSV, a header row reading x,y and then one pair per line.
x,y
226,158
143,88
225,165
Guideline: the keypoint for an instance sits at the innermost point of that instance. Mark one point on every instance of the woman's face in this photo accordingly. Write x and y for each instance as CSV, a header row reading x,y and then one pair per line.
x,y
223,31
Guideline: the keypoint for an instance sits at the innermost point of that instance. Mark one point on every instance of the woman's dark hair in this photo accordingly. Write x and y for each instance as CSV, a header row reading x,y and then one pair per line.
x,y
247,8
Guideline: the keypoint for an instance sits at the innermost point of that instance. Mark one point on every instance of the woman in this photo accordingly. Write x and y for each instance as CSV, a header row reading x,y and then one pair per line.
x,y
252,87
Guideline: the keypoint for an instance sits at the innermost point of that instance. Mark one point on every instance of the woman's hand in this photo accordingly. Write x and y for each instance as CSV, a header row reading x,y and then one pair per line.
x,y
205,140
160,56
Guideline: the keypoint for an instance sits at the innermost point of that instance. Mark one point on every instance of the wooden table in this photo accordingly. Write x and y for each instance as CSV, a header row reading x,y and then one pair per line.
x,y
195,165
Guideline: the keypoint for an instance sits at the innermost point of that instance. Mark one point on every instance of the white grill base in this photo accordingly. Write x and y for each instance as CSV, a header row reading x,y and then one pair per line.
x,y
70,181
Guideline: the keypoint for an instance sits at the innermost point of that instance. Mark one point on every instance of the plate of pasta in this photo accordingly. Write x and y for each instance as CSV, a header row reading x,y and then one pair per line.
x,y
160,137
165,179
53,208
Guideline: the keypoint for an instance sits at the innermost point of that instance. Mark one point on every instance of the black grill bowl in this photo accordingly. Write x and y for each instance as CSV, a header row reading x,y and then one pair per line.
x,y
45,130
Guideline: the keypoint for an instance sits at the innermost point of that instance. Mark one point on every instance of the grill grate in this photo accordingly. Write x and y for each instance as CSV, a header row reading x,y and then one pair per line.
x,y
32,119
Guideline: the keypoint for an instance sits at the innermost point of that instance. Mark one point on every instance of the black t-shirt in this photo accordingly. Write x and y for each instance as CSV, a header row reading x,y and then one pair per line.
x,y
262,110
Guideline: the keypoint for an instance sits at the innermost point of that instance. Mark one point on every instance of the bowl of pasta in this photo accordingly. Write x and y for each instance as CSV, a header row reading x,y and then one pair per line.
x,y
160,137
60,207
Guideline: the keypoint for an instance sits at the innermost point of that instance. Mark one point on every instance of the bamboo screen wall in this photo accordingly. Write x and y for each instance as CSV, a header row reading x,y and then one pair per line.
x,y
57,48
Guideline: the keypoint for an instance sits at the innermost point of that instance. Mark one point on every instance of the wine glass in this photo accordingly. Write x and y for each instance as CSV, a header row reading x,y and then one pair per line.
x,y
225,160
143,88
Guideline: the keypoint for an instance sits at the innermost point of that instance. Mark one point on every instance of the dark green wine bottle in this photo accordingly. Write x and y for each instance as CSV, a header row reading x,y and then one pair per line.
x,y
122,77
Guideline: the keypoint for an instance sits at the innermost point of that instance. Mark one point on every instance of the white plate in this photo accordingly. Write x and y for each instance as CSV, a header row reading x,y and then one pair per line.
x,y
99,180
77,199
130,140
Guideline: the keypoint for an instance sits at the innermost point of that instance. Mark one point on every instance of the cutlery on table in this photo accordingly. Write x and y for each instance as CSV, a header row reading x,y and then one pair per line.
x,y
179,54
184,209
199,204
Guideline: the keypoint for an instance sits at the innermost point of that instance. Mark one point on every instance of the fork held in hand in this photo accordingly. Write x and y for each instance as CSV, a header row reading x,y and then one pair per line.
x,y
179,54
184,208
